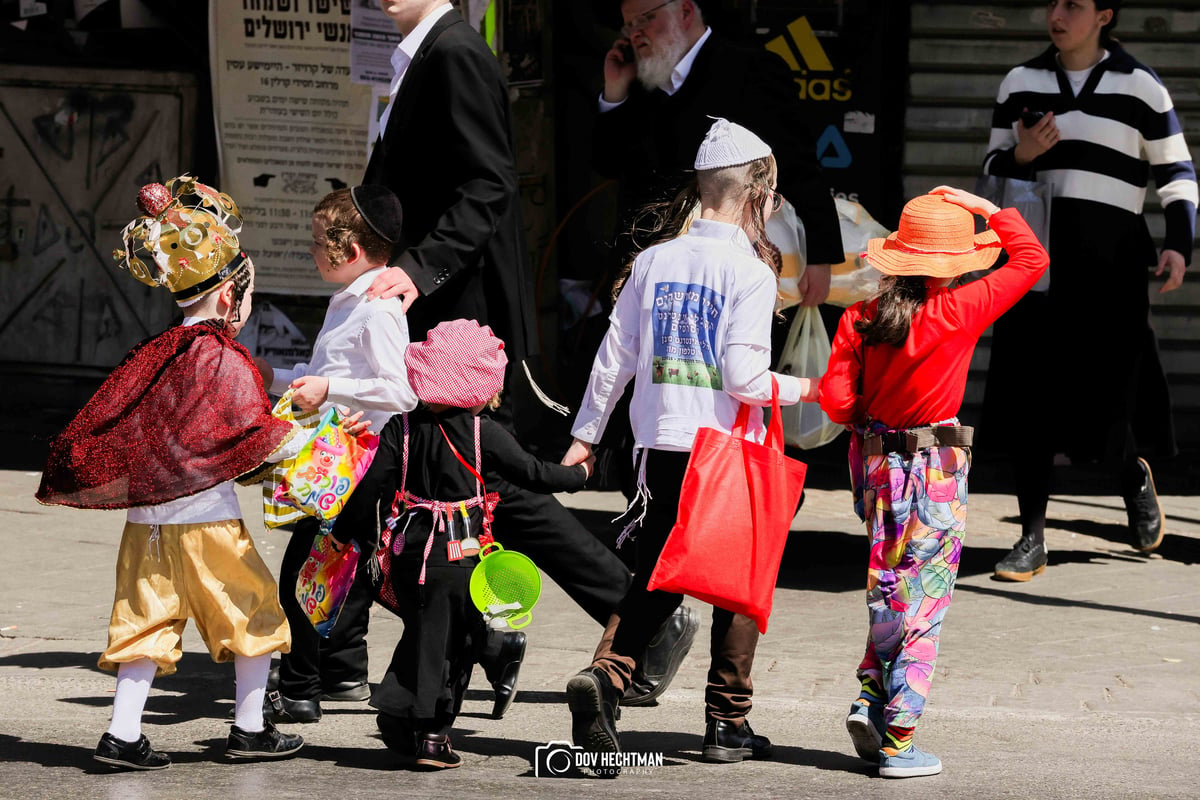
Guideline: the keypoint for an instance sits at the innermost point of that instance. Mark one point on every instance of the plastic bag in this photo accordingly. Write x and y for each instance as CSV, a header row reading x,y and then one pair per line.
x,y
324,582
1033,200
325,472
786,231
276,511
854,279
806,355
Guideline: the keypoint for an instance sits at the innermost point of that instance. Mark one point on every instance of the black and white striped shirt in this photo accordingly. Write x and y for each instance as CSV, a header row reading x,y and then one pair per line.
x,y
1118,131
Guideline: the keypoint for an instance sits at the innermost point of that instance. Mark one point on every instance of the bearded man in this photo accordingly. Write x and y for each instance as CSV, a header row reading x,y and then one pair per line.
x,y
664,79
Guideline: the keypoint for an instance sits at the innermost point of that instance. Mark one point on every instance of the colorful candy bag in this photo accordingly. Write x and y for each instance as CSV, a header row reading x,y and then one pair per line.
x,y
322,475
324,581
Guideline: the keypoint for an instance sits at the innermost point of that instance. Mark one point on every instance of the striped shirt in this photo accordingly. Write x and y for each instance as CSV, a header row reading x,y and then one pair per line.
x,y
1119,131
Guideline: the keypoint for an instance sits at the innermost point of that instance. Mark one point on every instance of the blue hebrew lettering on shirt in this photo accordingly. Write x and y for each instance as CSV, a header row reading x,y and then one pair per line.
x,y
685,321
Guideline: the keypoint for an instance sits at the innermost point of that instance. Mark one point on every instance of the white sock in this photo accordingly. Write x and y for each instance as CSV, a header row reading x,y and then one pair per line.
x,y
251,690
133,687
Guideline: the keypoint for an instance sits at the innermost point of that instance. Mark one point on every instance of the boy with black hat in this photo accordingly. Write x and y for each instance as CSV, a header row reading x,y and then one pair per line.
x,y
357,360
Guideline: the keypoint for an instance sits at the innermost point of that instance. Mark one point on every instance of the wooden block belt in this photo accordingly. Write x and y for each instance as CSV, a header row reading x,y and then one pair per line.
x,y
914,439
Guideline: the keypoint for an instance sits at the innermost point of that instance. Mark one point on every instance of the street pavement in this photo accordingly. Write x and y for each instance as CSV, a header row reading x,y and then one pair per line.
x,y
1080,684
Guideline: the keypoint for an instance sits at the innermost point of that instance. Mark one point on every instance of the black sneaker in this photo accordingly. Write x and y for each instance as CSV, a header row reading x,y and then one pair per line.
x,y
663,656
1026,560
726,743
593,701
1145,513
267,743
434,752
130,755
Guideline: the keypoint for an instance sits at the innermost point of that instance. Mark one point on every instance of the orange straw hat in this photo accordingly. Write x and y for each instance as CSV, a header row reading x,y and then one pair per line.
x,y
936,239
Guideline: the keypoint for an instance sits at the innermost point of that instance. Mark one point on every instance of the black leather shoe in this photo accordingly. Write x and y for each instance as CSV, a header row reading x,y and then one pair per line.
x,y
503,670
434,752
726,743
397,734
1145,513
1026,560
285,711
346,692
593,701
130,755
267,743
273,677
663,656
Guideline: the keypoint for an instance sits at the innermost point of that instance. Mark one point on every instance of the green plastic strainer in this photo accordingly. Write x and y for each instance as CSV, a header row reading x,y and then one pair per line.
x,y
505,585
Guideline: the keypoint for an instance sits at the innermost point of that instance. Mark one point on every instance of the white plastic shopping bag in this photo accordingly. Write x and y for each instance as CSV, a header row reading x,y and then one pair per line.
x,y
806,355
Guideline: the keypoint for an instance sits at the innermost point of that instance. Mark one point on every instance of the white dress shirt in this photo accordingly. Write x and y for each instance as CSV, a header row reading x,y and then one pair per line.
x,y
360,349
678,75
405,52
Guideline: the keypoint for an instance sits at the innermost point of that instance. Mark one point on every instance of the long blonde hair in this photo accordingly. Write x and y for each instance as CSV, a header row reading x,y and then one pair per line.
x,y
664,221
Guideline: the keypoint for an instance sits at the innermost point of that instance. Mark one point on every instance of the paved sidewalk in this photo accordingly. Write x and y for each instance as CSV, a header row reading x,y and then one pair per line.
x,y
1080,684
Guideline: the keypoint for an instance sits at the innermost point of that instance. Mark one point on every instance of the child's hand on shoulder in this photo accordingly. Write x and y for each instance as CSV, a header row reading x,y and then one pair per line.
x,y
310,391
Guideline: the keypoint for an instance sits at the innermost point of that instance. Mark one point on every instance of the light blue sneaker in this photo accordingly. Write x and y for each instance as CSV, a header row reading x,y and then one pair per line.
x,y
865,726
912,763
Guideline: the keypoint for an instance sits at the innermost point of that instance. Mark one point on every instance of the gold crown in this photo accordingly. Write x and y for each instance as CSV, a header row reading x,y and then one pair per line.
x,y
187,239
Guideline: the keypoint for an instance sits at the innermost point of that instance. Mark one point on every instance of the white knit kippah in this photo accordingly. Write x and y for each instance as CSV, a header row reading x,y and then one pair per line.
x,y
728,144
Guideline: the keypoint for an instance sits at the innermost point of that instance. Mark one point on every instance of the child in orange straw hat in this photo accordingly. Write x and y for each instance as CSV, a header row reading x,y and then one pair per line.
x,y
896,377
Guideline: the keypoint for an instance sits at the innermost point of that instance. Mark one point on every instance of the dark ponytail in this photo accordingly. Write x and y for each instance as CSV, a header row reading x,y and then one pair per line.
x,y
900,298
1106,33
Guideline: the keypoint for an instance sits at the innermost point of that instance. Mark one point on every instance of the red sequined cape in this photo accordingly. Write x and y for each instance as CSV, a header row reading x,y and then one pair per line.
x,y
184,412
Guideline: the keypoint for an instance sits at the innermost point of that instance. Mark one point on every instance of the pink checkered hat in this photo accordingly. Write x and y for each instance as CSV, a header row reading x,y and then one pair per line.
x,y
461,364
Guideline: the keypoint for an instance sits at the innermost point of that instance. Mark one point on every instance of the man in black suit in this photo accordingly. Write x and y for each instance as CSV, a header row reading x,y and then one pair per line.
x,y
447,152
665,77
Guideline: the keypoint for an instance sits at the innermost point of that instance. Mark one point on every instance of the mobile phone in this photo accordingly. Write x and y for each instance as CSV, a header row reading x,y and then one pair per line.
x,y
1031,118
626,51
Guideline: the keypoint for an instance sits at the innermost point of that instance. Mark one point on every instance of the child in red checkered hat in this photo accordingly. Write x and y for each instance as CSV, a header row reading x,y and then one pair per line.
x,y
430,468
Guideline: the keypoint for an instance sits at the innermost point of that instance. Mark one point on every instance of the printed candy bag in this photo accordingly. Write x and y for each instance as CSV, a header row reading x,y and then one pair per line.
x,y
325,472
324,581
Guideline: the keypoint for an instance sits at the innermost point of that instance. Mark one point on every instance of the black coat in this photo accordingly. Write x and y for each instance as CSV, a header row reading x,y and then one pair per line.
x,y
649,142
447,153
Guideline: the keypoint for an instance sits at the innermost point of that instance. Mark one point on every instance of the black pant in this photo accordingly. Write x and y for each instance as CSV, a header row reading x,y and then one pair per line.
x,y
641,612
315,663
541,528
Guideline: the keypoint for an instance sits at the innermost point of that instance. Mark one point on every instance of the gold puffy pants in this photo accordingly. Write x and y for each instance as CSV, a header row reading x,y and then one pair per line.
x,y
209,572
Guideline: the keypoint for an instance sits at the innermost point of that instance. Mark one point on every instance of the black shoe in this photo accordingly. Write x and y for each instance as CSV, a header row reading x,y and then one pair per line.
x,y
1026,560
504,668
593,701
398,735
267,743
346,692
725,743
663,656
130,755
273,677
285,711
434,752
1145,513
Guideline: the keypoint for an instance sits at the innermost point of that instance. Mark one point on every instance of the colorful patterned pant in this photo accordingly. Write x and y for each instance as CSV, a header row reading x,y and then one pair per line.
x,y
915,508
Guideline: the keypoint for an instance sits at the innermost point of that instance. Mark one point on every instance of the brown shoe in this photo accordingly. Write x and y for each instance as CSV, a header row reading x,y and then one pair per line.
x,y
434,752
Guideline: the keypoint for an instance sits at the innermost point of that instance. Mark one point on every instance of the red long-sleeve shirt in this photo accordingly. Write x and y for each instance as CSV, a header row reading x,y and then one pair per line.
x,y
923,380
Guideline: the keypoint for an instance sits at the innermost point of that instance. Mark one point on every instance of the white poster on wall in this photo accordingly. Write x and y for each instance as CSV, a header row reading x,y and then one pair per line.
x,y
290,125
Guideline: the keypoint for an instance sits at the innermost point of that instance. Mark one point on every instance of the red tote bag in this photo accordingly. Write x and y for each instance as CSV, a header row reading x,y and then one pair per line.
x,y
735,508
